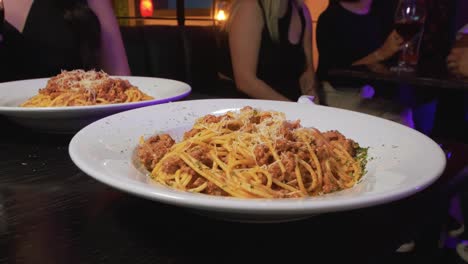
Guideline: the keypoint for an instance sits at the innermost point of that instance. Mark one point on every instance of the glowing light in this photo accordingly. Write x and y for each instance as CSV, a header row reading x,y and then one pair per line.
x,y
408,10
221,15
221,12
146,8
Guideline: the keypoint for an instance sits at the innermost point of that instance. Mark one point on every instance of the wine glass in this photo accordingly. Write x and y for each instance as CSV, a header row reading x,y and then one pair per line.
x,y
409,22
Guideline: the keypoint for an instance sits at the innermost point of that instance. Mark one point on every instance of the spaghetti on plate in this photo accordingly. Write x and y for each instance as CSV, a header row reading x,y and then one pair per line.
x,y
81,88
254,154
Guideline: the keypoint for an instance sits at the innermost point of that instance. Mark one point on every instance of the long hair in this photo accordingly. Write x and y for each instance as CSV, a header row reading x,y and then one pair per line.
x,y
85,25
271,9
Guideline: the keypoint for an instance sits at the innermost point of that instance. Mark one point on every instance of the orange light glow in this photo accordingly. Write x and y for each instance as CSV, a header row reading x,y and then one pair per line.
x,y
146,8
221,16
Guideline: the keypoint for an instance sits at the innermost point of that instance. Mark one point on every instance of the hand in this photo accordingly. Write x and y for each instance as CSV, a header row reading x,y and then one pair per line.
x,y
309,85
457,61
379,68
391,46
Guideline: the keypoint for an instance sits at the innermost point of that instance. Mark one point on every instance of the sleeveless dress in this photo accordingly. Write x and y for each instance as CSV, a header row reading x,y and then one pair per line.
x,y
280,63
47,45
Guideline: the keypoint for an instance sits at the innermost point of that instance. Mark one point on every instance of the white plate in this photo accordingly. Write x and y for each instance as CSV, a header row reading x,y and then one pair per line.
x,y
403,161
71,119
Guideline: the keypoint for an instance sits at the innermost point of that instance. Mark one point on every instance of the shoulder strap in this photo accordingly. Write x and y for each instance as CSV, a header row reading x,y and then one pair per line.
x,y
263,9
300,11
264,16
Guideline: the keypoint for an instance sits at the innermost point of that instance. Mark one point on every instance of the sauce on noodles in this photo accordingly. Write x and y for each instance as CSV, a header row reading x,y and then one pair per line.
x,y
81,88
254,154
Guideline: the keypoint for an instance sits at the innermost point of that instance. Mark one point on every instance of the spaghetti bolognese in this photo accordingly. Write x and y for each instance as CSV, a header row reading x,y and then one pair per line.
x,y
254,154
81,88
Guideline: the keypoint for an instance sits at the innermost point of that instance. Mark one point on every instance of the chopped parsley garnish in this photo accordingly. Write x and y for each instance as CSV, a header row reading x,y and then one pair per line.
x,y
362,156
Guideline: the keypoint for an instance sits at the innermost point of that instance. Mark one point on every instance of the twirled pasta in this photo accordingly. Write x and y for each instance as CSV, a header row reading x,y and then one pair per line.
x,y
81,88
254,154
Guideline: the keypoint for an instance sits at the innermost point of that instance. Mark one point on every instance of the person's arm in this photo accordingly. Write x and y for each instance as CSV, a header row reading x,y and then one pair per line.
x,y
245,34
113,57
391,46
457,61
308,81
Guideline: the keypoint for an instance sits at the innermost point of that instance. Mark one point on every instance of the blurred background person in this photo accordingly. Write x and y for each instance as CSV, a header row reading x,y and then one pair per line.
x,y
358,32
452,112
267,51
368,38
44,37
10,64
457,61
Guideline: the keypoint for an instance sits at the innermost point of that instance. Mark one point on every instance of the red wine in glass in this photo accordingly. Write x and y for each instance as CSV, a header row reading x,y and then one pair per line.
x,y
408,29
409,22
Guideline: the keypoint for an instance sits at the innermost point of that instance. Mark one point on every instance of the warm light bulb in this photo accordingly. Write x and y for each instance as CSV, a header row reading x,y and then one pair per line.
x,y
221,15
146,8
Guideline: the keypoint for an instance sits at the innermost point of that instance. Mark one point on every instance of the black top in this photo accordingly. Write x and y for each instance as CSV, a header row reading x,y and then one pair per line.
x,y
344,37
439,31
48,44
11,57
281,63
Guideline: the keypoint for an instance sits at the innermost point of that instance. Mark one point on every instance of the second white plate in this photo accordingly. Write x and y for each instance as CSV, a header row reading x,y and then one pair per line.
x,y
71,119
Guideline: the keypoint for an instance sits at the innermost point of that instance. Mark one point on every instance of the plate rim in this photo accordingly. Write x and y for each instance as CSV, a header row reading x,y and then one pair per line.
x,y
308,205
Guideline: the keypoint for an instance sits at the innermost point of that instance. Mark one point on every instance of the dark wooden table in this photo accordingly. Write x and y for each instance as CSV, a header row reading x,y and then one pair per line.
x,y
426,76
51,212
430,83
